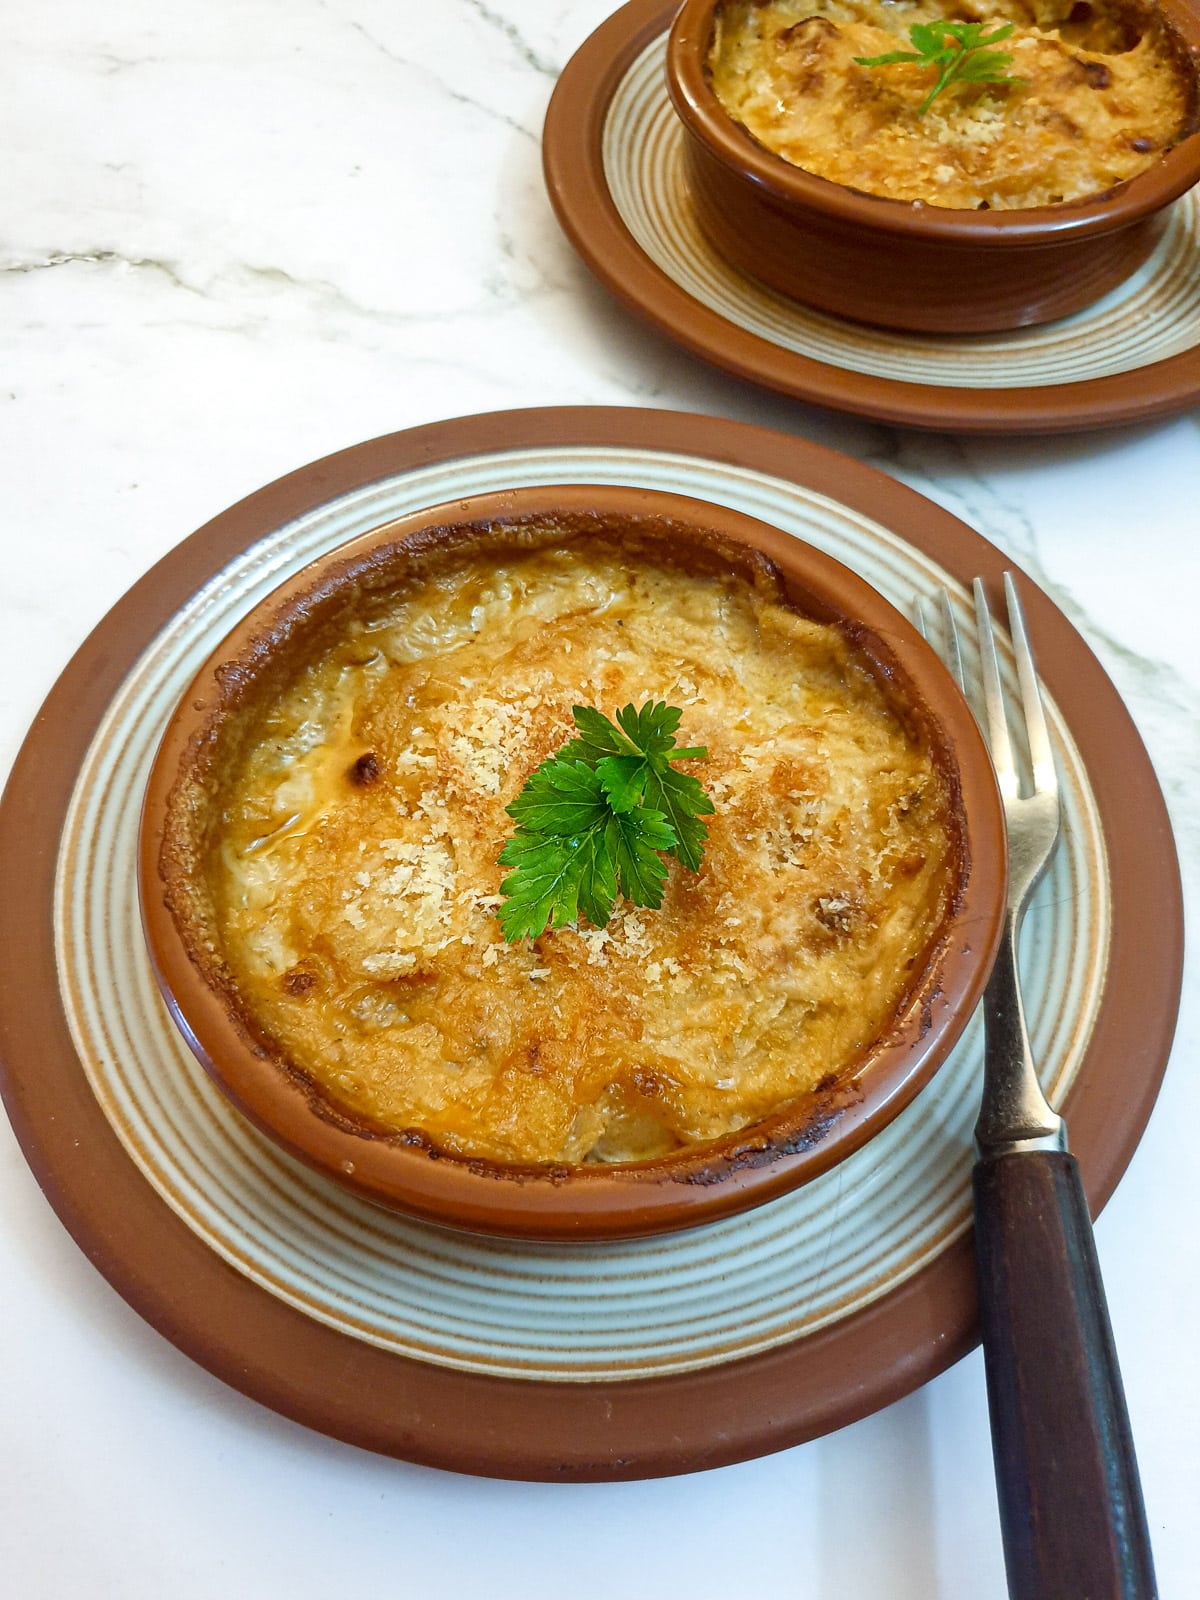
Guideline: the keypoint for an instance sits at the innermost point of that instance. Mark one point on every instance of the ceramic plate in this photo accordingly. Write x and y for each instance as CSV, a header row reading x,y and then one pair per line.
x,y
613,152
512,1358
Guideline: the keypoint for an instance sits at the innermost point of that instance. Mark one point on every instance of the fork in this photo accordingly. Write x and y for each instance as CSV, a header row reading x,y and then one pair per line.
x,y
1071,1510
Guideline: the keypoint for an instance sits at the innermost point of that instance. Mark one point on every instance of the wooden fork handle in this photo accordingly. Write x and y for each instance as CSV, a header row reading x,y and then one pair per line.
x,y
1071,1509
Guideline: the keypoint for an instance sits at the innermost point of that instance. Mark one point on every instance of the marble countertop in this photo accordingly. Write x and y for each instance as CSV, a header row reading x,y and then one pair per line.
x,y
234,238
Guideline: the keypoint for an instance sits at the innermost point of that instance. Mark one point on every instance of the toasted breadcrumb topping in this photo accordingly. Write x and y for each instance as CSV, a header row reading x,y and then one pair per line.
x,y
359,919
1107,87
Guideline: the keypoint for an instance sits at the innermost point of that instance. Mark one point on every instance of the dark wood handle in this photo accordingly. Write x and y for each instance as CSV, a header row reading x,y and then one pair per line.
x,y
1071,1507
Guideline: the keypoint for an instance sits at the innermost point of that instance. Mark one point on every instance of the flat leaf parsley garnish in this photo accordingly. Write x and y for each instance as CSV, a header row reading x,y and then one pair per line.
x,y
593,819
957,51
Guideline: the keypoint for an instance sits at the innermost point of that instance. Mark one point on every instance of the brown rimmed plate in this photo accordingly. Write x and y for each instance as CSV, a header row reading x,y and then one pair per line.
x,y
613,157
606,1363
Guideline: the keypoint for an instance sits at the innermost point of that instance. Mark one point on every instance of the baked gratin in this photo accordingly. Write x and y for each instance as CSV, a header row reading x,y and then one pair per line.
x,y
1106,86
331,849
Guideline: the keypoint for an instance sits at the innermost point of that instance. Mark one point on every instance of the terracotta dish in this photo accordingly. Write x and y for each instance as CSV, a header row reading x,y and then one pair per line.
x,y
234,705
903,265
613,150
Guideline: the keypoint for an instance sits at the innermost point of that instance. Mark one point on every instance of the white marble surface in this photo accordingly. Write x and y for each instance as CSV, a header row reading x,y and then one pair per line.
x,y
237,236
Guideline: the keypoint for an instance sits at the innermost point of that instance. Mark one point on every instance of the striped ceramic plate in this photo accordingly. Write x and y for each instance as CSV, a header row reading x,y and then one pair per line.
x,y
638,1309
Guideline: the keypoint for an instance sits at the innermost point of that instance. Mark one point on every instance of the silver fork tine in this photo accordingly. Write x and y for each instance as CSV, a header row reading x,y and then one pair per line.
x,y
993,696
1031,696
955,662
953,654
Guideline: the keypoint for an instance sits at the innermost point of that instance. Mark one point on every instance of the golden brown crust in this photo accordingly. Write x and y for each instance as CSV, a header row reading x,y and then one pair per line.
x,y
1106,89
367,954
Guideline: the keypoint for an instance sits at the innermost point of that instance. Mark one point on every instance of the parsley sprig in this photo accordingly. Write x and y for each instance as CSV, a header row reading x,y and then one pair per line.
x,y
958,51
593,820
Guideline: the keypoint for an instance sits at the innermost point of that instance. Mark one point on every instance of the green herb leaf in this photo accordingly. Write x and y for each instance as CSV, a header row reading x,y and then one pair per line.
x,y
592,821
623,779
682,800
956,51
634,840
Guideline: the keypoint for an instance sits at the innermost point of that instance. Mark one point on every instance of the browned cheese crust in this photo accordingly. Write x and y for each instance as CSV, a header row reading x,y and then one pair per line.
x,y
1107,88
353,879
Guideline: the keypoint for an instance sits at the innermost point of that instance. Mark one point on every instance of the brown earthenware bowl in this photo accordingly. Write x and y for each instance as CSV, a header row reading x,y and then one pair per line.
x,y
406,1171
900,265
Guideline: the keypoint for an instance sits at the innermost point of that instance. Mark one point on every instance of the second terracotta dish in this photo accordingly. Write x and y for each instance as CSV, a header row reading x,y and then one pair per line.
x,y
919,266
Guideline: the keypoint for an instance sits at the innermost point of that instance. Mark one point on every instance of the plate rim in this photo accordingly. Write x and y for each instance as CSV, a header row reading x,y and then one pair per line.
x,y
573,169
517,1427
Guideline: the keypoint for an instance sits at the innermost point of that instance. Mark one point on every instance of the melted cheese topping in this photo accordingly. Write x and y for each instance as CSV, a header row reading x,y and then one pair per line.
x,y
356,874
1102,97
